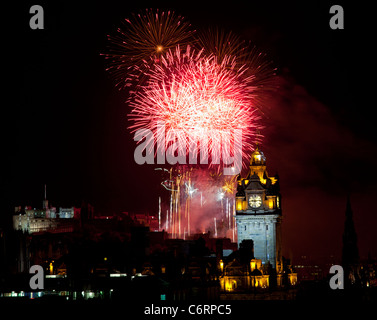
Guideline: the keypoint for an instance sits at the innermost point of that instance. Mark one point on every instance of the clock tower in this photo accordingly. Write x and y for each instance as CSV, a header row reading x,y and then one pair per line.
x,y
258,211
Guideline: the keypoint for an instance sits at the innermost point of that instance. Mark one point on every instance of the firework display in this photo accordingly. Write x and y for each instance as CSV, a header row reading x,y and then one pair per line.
x,y
203,88
205,101
141,41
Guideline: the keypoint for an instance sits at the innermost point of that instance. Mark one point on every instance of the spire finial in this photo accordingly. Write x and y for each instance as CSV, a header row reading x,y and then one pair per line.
x,y
45,202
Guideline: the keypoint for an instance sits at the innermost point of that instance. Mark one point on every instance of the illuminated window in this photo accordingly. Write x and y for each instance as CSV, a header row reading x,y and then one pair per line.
x,y
230,285
221,265
239,204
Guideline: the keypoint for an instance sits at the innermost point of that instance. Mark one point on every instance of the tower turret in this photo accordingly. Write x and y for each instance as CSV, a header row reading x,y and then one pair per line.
x,y
45,201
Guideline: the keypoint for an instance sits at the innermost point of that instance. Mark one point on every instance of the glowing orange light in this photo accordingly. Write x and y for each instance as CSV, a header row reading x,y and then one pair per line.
x,y
239,204
230,285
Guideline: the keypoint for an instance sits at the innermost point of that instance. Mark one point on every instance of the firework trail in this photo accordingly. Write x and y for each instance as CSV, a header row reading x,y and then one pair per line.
x,y
200,200
220,43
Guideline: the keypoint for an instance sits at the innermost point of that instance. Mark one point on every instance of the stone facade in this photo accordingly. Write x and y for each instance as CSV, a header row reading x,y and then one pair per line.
x,y
265,233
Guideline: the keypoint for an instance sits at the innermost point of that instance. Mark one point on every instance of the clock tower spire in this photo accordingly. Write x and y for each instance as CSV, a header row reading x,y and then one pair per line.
x,y
258,211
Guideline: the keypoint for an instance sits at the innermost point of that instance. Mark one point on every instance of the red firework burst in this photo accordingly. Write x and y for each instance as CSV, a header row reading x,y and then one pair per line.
x,y
200,98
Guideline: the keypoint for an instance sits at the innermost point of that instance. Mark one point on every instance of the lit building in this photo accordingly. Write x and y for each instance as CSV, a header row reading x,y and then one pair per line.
x,y
258,211
45,219
237,276
258,263
37,220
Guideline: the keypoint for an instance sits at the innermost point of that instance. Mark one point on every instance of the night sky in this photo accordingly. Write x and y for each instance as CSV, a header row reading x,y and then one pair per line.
x,y
65,123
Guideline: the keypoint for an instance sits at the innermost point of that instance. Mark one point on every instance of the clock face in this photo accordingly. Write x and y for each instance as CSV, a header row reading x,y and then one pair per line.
x,y
255,201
